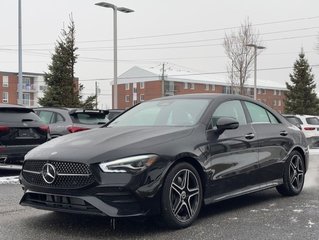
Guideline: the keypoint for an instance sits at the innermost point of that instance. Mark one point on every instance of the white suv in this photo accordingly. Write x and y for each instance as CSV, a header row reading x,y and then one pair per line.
x,y
309,125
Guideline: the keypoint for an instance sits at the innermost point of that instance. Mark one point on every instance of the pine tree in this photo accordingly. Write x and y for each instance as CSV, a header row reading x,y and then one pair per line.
x,y
62,90
301,97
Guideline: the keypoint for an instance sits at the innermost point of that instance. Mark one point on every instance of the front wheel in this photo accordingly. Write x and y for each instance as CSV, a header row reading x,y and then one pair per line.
x,y
182,196
294,175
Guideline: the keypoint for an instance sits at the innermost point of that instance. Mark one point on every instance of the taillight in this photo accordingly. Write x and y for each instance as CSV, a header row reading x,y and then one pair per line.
x,y
73,129
309,128
45,128
4,129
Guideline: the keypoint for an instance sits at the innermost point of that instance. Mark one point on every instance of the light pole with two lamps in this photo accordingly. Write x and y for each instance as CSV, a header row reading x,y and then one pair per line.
x,y
255,72
115,9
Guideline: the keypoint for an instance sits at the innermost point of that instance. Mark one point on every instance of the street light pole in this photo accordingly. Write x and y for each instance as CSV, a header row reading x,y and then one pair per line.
x,y
255,66
115,9
20,54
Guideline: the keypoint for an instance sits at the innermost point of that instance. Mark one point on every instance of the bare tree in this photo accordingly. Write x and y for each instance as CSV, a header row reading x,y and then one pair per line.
x,y
240,55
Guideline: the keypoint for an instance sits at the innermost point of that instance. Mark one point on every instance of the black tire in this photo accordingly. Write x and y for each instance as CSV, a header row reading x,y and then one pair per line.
x,y
294,175
182,196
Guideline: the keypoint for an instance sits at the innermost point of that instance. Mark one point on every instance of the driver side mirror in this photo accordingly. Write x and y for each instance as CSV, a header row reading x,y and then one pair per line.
x,y
222,124
226,123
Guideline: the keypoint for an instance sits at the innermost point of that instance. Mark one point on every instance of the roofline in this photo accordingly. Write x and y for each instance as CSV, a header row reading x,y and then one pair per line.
x,y
23,73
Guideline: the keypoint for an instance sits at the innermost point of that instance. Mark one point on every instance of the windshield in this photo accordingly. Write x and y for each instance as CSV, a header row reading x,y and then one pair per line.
x,y
177,112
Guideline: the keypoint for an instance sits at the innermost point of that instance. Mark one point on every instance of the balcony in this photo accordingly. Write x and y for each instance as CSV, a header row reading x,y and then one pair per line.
x,y
28,87
28,103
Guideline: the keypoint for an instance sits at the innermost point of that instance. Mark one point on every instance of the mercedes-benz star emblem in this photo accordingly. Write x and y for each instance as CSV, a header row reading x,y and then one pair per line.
x,y
48,173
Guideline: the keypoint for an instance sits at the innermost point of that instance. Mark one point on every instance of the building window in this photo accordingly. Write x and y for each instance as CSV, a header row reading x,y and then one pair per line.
x,y
192,86
134,90
142,85
186,85
213,87
279,92
226,89
279,103
142,98
127,86
5,97
26,99
5,81
275,92
275,102
127,98
259,91
207,87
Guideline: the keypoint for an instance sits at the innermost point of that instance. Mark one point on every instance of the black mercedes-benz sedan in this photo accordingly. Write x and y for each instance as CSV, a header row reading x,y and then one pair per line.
x,y
168,156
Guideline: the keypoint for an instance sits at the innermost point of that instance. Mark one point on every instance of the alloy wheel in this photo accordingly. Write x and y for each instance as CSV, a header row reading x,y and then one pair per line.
x,y
184,195
296,172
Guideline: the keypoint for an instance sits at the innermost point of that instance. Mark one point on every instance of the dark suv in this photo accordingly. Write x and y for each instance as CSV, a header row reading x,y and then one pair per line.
x,y
69,120
20,131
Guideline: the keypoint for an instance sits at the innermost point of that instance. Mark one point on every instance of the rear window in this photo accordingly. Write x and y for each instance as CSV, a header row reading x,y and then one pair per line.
x,y
312,120
91,118
294,120
12,116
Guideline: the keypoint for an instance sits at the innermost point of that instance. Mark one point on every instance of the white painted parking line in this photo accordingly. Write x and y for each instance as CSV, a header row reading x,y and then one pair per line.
x,y
9,180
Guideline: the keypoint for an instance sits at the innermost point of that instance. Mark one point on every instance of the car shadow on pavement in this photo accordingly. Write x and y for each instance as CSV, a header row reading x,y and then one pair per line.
x,y
87,226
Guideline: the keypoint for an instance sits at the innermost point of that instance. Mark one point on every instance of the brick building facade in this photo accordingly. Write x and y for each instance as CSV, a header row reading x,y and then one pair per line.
x,y
33,87
137,85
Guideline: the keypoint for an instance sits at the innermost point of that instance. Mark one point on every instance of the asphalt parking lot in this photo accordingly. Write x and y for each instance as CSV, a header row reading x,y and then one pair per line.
x,y
263,215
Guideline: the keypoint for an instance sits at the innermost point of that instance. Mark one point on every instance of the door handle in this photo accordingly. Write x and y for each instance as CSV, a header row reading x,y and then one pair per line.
x,y
283,133
249,136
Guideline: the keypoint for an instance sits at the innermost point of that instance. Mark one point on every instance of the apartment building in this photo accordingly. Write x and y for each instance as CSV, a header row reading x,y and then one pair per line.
x,y
140,84
33,87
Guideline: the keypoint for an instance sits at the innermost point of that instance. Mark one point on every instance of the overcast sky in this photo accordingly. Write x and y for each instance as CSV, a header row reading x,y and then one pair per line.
x,y
154,34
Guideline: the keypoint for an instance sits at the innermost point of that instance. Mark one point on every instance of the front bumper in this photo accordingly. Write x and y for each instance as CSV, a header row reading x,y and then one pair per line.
x,y
109,194
81,204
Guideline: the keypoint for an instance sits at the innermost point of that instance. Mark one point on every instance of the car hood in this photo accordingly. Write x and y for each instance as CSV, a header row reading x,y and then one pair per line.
x,y
106,144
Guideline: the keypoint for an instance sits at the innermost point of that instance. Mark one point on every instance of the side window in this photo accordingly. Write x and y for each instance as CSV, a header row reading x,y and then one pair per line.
x,y
45,116
231,109
272,118
260,115
59,118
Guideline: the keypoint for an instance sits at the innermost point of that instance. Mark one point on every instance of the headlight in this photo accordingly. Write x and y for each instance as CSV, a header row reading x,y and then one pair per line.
x,y
129,164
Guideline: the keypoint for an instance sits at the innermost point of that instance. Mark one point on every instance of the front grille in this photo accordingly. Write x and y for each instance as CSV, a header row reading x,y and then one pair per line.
x,y
69,175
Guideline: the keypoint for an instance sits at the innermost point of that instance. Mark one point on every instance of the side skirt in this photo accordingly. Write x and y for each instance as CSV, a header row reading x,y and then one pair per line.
x,y
244,191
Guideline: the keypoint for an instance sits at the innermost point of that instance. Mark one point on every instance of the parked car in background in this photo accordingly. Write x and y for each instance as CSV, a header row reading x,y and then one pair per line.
x,y
20,131
309,125
70,120
113,113
168,156
293,120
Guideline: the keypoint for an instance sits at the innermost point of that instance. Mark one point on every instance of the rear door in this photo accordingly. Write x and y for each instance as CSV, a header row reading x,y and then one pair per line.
x,y
274,142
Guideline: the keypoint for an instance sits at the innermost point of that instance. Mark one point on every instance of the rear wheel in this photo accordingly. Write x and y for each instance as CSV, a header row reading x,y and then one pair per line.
x,y
182,196
294,175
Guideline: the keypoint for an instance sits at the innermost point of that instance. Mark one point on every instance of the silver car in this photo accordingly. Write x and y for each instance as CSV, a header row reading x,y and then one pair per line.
x,y
63,121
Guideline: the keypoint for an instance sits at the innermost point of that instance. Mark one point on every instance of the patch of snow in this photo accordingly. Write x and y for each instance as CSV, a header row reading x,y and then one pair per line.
x,y
298,210
310,223
9,180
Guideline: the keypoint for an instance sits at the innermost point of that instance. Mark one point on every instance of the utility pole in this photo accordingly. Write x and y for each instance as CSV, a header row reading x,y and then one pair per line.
x,y
163,79
96,93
